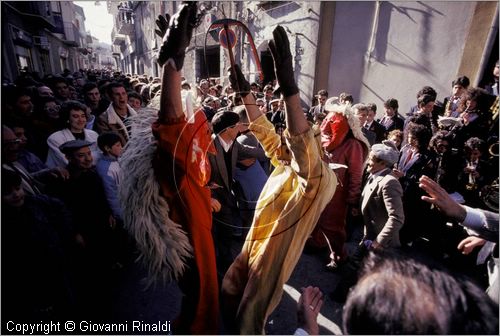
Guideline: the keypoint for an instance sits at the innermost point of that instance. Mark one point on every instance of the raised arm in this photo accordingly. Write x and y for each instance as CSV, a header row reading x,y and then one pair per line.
x,y
279,46
238,80
176,33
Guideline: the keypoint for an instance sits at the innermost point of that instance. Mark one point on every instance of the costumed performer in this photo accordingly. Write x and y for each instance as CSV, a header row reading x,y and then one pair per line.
x,y
289,206
167,207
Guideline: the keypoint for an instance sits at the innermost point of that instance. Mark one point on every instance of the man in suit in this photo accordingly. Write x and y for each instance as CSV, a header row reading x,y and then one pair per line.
x,y
391,120
382,209
361,111
317,113
381,199
226,128
373,125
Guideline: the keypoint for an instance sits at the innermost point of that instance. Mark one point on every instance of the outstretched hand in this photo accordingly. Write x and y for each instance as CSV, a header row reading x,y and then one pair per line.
x,y
238,80
176,33
282,57
440,198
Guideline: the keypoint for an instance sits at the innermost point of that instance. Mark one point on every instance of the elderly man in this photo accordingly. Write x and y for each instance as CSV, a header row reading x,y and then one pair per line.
x,y
382,209
381,199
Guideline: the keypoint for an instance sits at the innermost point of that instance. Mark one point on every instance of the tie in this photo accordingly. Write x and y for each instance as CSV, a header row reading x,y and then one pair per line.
x,y
408,158
367,126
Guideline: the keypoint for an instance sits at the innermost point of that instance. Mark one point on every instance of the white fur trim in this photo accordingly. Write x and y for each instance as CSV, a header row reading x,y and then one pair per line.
x,y
163,245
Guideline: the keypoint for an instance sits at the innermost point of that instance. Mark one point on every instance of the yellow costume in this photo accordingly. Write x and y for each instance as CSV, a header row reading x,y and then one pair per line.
x,y
287,211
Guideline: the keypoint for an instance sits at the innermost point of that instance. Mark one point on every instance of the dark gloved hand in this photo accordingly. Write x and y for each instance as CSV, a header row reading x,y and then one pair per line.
x,y
282,57
162,24
238,81
176,33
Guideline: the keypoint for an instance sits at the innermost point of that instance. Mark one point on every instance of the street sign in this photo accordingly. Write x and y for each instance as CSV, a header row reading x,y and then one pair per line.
x,y
223,39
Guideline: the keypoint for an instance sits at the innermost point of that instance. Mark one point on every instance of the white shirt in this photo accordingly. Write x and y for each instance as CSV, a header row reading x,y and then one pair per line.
x,y
225,145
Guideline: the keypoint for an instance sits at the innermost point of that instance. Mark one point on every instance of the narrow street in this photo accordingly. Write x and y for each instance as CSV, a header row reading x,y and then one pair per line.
x,y
162,303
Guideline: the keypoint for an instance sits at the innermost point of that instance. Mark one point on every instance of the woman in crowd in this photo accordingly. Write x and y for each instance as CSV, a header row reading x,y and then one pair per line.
x,y
414,161
74,115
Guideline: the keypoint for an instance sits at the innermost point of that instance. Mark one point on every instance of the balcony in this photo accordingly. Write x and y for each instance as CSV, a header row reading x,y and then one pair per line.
x,y
117,38
125,21
36,12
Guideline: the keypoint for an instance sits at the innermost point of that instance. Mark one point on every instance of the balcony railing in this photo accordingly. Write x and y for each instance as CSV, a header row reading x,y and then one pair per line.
x,y
125,21
117,38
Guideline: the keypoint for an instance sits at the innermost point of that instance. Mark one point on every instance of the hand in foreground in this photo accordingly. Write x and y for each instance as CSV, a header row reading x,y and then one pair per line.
x,y
238,81
470,243
60,172
440,198
176,33
282,57
308,308
215,205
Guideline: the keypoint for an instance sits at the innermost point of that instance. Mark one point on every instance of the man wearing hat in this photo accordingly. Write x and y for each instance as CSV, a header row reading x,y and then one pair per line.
x,y
381,199
382,209
83,194
78,154
226,128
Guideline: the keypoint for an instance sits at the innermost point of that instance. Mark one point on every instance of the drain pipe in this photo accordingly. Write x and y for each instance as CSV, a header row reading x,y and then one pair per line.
x,y
374,30
487,49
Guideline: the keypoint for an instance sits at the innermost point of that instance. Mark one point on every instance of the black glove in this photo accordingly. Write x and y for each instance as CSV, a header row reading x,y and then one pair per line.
x,y
162,23
176,33
238,81
282,57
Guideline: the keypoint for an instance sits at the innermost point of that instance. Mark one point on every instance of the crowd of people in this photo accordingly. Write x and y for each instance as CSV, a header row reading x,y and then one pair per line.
x,y
258,166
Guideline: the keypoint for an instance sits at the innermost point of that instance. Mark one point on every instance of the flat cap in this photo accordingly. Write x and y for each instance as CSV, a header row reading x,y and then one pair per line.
x,y
73,145
386,151
223,120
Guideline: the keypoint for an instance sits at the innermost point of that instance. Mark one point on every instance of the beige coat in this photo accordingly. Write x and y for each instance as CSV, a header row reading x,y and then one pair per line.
x,y
382,208
110,121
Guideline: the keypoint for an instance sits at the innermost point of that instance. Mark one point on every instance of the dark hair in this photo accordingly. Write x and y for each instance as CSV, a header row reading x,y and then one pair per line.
x,y
481,97
346,97
253,84
463,81
107,139
12,93
392,103
268,87
474,143
440,136
323,93
89,86
10,180
112,85
68,106
422,134
425,99
398,294
372,106
57,79
133,94
427,90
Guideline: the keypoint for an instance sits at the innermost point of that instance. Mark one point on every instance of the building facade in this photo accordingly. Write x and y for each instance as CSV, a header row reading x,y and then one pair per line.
x,y
374,50
42,36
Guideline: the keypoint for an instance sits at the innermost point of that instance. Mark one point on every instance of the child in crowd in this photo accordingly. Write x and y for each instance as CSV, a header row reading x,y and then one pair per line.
x,y
108,169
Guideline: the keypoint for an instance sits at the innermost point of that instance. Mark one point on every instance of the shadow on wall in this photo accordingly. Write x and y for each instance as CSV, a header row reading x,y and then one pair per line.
x,y
424,23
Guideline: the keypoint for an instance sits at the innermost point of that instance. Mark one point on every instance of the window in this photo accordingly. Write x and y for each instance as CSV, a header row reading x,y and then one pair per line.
x,y
212,66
